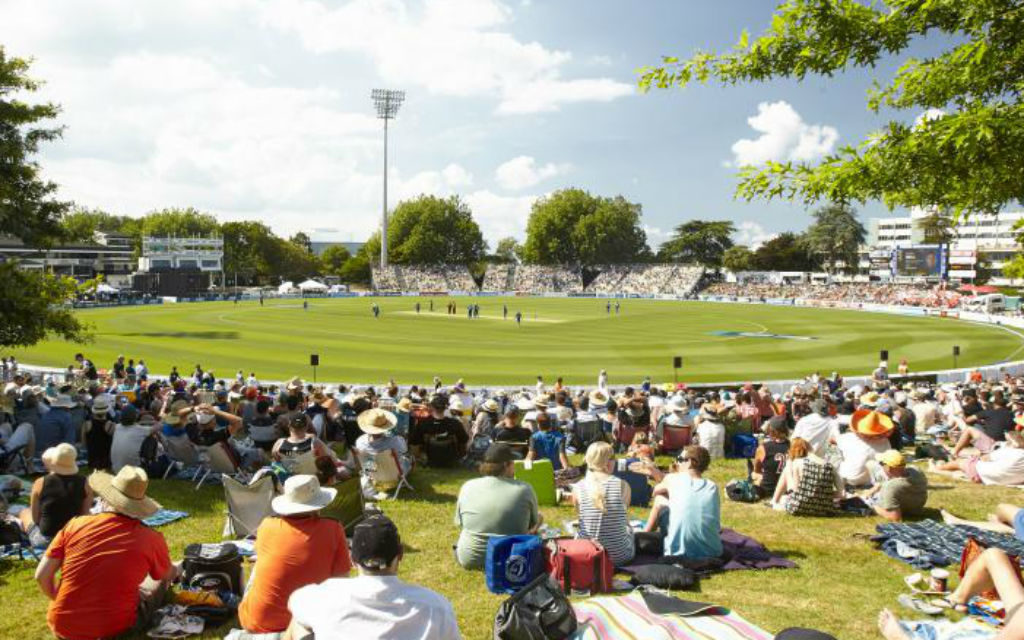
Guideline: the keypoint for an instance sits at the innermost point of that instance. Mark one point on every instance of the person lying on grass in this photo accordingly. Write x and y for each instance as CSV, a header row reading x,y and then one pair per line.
x,y
1007,518
1003,465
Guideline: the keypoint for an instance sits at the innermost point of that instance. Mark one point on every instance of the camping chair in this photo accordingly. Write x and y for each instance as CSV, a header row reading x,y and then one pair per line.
x,y
301,464
586,431
384,470
218,458
13,459
182,452
247,504
347,507
675,437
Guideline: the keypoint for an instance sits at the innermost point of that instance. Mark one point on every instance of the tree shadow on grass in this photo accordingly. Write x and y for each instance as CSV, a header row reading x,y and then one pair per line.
x,y
198,335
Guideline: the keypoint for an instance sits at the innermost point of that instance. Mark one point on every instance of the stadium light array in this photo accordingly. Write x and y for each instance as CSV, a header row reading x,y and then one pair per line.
x,y
387,102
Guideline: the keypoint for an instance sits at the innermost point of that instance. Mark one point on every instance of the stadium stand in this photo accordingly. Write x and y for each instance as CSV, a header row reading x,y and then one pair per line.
x,y
904,294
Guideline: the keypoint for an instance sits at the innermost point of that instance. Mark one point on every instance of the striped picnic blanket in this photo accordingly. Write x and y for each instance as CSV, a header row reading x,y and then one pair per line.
x,y
628,618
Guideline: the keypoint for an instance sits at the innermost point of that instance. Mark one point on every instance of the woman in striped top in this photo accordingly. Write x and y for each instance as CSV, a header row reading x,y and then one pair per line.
x,y
601,500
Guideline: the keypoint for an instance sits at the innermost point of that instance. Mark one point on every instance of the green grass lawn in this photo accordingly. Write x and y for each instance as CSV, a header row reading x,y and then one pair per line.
x,y
839,587
572,338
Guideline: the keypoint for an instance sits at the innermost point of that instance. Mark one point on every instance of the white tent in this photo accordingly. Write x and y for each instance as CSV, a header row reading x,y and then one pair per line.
x,y
312,285
103,287
286,287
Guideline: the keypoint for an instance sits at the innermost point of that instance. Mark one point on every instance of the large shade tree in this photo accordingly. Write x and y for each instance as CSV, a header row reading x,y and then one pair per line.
x,y
836,237
430,230
960,144
32,304
572,226
702,242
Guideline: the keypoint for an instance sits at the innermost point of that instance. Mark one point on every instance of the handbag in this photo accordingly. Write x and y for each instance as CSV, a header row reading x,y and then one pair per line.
x,y
539,611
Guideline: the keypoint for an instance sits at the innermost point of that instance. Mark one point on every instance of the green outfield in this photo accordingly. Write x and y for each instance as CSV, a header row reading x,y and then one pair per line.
x,y
572,338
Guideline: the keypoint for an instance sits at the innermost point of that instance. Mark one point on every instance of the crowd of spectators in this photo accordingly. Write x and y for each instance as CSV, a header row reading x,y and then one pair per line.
x,y
647,279
864,292
815,449
423,278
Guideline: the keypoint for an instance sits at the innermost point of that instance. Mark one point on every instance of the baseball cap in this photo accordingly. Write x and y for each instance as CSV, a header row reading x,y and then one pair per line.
x,y
375,542
891,458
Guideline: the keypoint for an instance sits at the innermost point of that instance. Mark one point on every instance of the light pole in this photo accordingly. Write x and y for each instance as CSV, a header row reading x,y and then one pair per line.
x,y
387,102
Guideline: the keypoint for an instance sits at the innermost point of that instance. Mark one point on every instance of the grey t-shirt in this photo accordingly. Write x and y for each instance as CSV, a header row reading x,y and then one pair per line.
x,y
127,444
908,494
490,506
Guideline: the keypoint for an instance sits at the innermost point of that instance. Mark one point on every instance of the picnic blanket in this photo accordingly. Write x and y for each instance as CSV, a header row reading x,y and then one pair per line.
x,y
941,629
739,552
927,544
628,618
164,516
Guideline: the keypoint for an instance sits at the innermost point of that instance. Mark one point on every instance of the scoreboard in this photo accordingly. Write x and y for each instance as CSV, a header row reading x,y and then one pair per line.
x,y
926,260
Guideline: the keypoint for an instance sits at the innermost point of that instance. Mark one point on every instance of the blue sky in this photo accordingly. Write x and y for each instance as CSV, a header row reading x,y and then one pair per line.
x,y
260,109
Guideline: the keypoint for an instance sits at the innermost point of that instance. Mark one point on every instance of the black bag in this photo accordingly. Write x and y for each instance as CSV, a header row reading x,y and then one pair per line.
x,y
539,611
665,576
10,533
441,451
213,567
151,457
933,451
649,543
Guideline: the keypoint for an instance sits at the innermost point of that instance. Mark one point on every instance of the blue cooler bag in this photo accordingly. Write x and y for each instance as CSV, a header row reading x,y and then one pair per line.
x,y
744,445
640,489
512,562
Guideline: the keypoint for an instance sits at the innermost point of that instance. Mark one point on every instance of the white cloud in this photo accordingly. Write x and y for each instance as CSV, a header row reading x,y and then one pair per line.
x,y
522,172
928,114
751,234
656,236
501,216
455,47
784,137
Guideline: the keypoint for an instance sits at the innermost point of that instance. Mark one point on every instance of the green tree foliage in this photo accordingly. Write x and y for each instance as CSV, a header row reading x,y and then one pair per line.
x,y
430,230
738,258
508,250
293,262
333,259
572,226
179,222
938,227
32,304
250,252
357,269
82,224
971,159
785,252
302,241
702,242
836,236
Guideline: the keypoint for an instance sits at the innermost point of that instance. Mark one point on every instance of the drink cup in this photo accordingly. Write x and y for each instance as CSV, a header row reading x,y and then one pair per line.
x,y
939,580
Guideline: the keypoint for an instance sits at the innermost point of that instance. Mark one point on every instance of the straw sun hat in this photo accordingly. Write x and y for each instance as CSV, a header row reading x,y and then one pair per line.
x,y
376,421
125,492
61,459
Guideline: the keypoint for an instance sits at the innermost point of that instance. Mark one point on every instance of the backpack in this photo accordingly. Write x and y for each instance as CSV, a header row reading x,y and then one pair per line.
x,y
538,611
512,562
742,491
213,567
152,458
441,451
580,565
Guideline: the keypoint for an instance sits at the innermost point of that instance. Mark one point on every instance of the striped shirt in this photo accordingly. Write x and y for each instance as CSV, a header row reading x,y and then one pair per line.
x,y
610,528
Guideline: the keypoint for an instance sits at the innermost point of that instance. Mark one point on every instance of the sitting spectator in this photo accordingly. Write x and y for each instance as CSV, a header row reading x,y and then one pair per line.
x,y
817,429
294,549
98,433
867,438
486,421
128,438
904,492
687,508
548,443
493,505
114,569
991,427
377,426
993,569
601,501
711,431
56,426
56,497
641,446
376,604
263,429
299,451
809,486
1004,465
12,438
440,440
770,458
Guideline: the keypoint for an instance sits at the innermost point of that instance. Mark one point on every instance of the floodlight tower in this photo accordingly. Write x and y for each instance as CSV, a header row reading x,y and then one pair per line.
x,y
387,102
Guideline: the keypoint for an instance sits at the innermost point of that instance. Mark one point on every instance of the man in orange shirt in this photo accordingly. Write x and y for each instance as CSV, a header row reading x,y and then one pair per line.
x,y
292,551
114,569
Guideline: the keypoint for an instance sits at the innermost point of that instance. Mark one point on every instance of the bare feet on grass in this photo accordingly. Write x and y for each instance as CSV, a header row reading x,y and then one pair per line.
x,y
889,626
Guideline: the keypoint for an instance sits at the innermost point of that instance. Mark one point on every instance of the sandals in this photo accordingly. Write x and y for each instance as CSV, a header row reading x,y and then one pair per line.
x,y
947,603
920,605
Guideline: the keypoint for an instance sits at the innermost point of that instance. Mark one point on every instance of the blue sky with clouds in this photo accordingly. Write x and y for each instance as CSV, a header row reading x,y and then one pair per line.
x,y
259,109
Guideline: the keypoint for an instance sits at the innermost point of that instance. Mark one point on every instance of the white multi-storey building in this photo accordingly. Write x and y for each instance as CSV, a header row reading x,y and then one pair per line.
x,y
189,254
987,239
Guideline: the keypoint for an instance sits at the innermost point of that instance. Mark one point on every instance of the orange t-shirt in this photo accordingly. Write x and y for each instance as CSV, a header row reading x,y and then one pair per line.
x,y
290,553
105,558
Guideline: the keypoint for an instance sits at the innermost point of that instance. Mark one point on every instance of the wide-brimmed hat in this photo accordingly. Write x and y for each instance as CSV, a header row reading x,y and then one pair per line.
x,y
61,459
376,421
678,405
871,423
125,492
101,404
869,399
456,404
541,402
302,494
171,417
490,405
404,405
62,401
598,397
295,384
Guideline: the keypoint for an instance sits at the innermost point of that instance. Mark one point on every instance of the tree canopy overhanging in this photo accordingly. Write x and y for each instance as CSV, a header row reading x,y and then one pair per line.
x,y
962,146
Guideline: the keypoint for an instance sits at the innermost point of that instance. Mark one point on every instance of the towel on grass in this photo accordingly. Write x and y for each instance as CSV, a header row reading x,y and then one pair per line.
x,y
164,516
739,552
928,544
628,618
